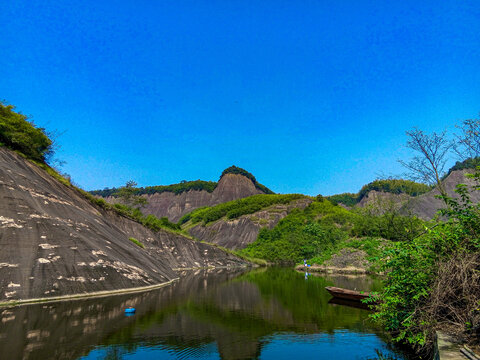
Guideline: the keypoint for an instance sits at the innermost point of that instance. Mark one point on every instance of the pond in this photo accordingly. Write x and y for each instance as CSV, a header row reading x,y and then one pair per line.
x,y
266,313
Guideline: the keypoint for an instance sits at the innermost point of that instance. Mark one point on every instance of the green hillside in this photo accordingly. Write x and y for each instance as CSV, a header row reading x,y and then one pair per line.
x,y
393,186
236,208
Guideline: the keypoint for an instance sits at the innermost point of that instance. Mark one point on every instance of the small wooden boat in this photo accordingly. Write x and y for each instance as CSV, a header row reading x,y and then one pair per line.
x,y
347,294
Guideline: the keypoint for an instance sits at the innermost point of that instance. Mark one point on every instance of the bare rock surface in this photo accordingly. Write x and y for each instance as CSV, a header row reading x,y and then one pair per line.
x,y
55,242
426,206
230,187
238,233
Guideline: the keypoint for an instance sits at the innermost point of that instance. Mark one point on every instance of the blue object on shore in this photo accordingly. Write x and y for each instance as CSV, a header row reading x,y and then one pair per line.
x,y
129,310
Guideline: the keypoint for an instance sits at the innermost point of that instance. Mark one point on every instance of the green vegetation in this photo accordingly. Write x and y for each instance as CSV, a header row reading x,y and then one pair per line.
x,y
323,228
432,281
236,170
184,186
302,234
236,208
150,221
395,186
470,163
17,133
177,189
136,242
348,199
388,224
373,247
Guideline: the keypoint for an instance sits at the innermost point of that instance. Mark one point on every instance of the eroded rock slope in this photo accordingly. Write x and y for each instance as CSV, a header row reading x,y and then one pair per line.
x,y
55,242
230,187
238,233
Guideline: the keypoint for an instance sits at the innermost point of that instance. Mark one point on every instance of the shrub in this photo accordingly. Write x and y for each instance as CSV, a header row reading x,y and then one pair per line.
x,y
136,242
17,133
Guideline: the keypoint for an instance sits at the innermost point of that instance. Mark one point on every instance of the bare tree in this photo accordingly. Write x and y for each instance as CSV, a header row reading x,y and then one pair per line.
x,y
468,141
429,163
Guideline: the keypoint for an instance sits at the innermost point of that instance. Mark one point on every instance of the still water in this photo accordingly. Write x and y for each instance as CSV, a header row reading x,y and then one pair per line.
x,y
268,313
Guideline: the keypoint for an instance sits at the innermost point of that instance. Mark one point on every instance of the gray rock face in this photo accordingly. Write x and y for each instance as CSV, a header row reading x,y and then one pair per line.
x,y
238,233
55,242
426,206
230,187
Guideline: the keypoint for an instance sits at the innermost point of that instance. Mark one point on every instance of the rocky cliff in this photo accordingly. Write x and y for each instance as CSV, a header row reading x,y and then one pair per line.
x,y
55,242
230,187
238,233
424,206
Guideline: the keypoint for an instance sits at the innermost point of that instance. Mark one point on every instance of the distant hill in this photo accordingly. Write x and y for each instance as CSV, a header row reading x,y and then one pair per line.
x,y
174,201
387,186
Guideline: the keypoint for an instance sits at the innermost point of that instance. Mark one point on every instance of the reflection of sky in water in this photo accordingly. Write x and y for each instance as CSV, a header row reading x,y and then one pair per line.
x,y
338,346
272,313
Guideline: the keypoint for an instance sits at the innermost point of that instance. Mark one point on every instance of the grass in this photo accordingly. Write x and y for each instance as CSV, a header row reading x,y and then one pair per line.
x,y
136,242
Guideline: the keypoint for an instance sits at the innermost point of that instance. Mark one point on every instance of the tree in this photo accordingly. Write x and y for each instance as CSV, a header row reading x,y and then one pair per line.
x,y
127,195
429,163
468,141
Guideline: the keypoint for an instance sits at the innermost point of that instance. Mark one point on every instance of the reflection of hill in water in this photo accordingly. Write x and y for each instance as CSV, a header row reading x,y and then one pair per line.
x,y
235,311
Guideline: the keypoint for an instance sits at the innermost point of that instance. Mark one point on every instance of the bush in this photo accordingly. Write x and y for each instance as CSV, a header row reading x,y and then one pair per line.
x,y
136,242
302,234
415,267
394,186
17,133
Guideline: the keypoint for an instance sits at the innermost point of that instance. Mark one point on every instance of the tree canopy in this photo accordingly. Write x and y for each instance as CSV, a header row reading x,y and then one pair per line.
x,y
20,134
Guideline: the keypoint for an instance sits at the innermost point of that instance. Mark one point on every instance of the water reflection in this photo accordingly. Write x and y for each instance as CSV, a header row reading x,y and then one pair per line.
x,y
210,314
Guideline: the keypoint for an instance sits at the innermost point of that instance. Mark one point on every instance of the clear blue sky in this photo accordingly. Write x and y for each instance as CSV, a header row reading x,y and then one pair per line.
x,y
309,96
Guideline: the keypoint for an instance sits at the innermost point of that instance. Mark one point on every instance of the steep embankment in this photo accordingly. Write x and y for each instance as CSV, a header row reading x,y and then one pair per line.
x,y
55,242
242,231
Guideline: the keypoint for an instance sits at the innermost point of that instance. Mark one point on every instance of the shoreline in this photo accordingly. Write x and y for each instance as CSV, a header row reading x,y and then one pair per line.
x,y
350,270
81,296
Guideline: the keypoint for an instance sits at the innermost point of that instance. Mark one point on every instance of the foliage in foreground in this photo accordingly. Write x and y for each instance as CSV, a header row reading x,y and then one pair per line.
x,y
17,133
410,306
236,208
302,234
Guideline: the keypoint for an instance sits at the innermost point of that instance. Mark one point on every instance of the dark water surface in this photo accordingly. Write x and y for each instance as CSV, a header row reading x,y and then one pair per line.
x,y
273,313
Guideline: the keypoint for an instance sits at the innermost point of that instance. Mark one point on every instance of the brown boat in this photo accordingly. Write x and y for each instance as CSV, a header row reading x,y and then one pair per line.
x,y
347,294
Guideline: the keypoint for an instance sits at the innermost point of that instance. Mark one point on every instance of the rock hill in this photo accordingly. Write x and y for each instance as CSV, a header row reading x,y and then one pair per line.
x,y
55,242
426,205
174,206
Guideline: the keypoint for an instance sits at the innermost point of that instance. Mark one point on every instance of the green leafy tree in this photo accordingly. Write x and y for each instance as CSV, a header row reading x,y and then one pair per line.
x,y
129,197
18,133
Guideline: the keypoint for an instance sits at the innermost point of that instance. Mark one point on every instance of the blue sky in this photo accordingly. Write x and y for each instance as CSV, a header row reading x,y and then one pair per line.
x,y
309,96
